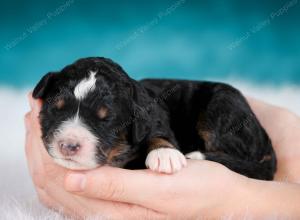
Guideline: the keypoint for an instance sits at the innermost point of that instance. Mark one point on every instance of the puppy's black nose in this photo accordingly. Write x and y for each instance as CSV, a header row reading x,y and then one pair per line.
x,y
69,149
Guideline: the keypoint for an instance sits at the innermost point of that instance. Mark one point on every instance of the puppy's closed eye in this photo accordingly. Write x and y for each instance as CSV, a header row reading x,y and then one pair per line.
x,y
102,112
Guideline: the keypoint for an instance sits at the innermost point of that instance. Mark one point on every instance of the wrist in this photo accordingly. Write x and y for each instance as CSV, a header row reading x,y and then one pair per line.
x,y
236,202
232,201
267,199
246,198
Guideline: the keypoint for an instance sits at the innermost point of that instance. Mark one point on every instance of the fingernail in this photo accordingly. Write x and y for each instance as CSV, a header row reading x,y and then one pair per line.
x,y
75,182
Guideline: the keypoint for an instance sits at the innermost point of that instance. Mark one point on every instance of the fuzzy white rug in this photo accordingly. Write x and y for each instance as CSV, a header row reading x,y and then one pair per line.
x,y
17,196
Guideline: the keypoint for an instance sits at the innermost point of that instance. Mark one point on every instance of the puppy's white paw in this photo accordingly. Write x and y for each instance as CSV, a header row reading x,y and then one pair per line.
x,y
195,155
165,160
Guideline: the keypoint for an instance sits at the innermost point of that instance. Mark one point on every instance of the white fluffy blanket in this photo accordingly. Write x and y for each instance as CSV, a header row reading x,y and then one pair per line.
x,y
17,196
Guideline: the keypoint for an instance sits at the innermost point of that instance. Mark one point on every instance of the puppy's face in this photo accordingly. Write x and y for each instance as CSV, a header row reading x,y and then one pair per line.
x,y
85,110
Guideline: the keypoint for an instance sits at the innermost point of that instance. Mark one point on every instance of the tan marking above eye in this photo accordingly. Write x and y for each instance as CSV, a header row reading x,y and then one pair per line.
x,y
102,112
60,103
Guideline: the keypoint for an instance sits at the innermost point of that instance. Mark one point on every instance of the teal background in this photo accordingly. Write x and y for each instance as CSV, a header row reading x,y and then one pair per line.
x,y
240,40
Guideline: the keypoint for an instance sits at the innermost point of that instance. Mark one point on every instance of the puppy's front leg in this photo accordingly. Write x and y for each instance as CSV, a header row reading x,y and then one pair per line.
x,y
163,157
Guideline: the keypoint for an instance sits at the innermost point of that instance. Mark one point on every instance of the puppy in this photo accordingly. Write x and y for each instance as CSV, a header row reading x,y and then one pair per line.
x,y
94,114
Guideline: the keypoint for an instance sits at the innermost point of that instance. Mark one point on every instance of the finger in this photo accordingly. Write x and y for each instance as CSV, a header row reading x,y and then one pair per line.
x,y
35,124
46,200
100,209
35,104
29,97
34,142
137,187
28,141
31,138
34,163
51,203
38,159
27,124
33,152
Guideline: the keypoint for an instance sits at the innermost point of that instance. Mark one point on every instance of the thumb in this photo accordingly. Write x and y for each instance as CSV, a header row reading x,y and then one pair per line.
x,y
139,187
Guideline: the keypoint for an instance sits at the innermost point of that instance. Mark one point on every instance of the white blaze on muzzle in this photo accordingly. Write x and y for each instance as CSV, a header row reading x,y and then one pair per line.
x,y
74,145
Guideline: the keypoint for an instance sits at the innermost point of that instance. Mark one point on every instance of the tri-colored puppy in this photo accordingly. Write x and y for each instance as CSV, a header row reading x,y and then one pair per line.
x,y
94,114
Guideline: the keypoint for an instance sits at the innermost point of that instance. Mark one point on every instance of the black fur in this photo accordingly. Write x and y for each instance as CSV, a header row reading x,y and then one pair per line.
x,y
211,117
235,137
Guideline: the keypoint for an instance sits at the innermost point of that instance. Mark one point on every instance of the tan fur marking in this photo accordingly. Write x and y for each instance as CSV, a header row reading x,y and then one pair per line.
x,y
205,135
60,103
118,149
114,152
158,143
102,112
266,158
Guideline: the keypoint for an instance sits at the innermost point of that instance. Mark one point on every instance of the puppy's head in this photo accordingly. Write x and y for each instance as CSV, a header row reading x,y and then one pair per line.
x,y
88,117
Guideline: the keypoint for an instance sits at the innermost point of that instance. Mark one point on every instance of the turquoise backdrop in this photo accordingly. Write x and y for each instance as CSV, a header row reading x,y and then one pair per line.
x,y
256,41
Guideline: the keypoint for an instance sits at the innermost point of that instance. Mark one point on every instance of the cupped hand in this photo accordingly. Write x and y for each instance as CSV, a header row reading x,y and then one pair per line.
x,y
202,189
48,179
283,127
124,194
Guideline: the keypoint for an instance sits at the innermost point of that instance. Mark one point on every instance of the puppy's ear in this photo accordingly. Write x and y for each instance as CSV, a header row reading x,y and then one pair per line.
x,y
140,126
43,86
141,120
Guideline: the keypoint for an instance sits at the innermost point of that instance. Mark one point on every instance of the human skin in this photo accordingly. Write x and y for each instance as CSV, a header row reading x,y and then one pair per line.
x,y
203,190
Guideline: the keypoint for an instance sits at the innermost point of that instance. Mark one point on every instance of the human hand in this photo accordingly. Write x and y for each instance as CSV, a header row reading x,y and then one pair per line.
x,y
48,179
150,195
162,194
203,189
283,127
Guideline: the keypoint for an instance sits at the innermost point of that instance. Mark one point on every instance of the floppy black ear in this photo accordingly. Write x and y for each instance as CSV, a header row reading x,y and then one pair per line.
x,y
43,85
141,124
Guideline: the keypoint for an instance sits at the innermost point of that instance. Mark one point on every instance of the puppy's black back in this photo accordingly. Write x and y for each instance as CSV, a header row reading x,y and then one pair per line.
x,y
215,119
